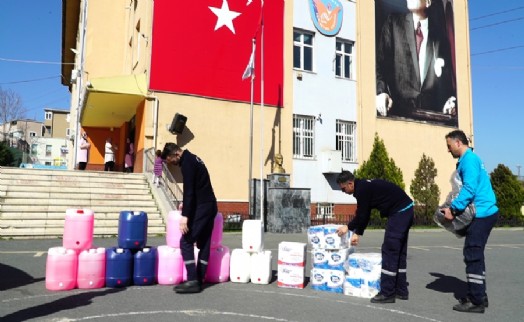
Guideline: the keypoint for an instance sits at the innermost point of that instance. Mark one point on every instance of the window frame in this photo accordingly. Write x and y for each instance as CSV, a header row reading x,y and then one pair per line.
x,y
304,137
340,61
302,45
345,139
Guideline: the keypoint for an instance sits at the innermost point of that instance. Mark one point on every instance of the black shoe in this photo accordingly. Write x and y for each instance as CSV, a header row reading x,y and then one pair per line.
x,y
380,298
469,307
402,297
485,301
189,287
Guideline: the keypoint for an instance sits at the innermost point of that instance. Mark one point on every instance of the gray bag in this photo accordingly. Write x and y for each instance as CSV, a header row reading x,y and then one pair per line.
x,y
458,225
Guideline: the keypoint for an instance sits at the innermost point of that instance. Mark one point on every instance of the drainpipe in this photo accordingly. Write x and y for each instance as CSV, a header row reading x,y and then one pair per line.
x,y
80,80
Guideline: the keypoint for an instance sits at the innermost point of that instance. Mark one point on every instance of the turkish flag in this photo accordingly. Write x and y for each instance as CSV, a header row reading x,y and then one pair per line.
x,y
202,48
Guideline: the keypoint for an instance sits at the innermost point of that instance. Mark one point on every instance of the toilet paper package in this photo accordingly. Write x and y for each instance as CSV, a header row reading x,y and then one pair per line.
x,y
366,261
337,258
319,258
318,279
332,240
335,281
315,236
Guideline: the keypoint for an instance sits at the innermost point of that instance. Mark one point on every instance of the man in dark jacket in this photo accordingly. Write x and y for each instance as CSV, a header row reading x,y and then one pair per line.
x,y
198,214
393,203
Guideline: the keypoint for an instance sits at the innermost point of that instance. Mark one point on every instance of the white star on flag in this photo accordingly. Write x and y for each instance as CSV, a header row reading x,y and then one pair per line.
x,y
225,16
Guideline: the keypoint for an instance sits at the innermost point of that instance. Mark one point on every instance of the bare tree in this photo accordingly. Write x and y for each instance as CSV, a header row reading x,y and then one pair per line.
x,y
11,108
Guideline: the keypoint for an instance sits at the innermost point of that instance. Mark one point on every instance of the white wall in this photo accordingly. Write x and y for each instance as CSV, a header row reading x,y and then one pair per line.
x,y
321,92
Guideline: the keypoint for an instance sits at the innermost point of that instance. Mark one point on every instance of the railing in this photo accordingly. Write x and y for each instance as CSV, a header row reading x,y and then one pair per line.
x,y
167,181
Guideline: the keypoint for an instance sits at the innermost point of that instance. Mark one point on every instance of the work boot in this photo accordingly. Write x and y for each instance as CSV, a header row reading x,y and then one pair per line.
x,y
189,287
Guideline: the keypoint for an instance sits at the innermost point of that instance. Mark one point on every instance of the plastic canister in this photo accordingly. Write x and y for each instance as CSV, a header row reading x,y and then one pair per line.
x,y
61,269
170,265
132,229
78,229
92,268
218,268
119,267
144,268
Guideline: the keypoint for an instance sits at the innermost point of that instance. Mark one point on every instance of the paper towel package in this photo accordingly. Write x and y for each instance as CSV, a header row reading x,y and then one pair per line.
x,y
290,276
292,253
315,236
353,286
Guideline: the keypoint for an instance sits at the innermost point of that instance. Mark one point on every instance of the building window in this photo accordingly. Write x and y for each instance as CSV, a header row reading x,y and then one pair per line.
x,y
346,140
34,149
68,132
303,50
32,134
303,136
344,59
325,210
48,115
48,150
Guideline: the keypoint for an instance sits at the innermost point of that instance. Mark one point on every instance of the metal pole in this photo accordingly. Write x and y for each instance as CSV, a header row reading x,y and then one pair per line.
x,y
251,128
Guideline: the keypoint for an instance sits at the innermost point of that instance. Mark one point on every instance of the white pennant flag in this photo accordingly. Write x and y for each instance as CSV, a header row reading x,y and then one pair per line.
x,y
250,68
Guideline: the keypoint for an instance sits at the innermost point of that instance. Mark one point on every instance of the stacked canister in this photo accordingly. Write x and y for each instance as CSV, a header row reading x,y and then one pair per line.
x,y
76,263
251,262
171,269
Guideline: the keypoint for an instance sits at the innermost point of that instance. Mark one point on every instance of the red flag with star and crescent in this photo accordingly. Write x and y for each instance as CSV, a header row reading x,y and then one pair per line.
x,y
202,47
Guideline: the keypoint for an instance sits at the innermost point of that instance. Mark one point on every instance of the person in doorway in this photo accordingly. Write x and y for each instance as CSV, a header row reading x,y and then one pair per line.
x,y
393,203
157,169
83,151
198,214
129,157
476,189
109,155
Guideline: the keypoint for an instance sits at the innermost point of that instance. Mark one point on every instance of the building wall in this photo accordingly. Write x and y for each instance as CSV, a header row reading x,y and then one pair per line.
x,y
59,123
321,93
406,141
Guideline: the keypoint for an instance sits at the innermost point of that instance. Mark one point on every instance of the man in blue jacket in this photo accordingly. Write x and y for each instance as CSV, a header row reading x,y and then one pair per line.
x,y
198,214
476,189
395,204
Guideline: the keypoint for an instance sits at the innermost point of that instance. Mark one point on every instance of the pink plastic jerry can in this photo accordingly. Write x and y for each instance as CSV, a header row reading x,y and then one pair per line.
x,y
173,233
218,227
170,265
92,268
61,269
218,267
78,229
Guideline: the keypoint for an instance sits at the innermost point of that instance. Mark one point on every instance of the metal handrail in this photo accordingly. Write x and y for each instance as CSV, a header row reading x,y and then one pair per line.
x,y
168,183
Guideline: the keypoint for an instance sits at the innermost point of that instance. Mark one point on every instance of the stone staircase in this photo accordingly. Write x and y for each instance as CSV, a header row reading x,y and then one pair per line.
x,y
33,202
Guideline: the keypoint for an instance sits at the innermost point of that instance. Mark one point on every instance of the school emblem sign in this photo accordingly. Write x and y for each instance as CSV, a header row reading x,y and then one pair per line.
x,y
326,16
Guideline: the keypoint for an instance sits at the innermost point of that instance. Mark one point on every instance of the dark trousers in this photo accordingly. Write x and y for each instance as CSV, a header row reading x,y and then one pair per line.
x,y
477,235
109,166
393,279
82,165
200,229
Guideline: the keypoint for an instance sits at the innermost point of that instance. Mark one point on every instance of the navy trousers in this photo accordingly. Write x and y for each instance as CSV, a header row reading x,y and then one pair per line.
x,y
393,279
477,235
200,229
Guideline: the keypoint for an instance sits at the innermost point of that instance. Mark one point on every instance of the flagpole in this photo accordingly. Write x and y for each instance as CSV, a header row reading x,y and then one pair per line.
x,y
262,118
251,128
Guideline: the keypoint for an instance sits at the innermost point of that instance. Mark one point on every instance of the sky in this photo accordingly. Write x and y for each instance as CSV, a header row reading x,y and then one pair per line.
x,y
30,57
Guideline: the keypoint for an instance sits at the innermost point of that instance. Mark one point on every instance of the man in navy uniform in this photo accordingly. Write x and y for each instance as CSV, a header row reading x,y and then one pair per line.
x,y
393,203
198,214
